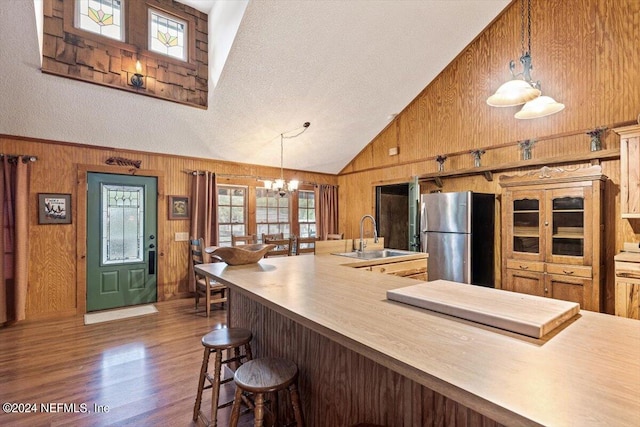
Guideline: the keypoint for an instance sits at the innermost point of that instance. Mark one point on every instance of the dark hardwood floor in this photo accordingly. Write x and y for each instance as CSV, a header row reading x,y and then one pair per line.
x,y
140,372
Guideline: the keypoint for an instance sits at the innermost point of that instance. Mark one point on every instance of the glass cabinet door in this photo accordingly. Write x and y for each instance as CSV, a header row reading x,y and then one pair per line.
x,y
567,217
525,213
526,225
568,226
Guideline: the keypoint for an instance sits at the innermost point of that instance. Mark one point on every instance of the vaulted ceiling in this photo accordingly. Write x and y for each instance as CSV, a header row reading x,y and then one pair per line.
x,y
344,66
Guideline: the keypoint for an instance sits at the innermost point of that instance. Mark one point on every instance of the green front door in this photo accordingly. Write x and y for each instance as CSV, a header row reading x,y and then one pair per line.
x,y
121,240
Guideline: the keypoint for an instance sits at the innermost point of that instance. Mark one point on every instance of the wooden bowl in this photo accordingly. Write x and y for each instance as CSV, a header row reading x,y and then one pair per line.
x,y
239,255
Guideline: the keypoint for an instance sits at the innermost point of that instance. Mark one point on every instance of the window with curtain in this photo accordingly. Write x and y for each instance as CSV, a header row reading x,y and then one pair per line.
x,y
272,213
232,213
307,213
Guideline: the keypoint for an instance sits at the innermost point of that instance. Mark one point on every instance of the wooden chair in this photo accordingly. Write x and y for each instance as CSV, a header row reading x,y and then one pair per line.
x,y
244,240
335,236
283,247
213,292
276,236
306,245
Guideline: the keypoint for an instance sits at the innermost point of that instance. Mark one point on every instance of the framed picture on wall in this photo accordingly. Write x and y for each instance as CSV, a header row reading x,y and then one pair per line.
x,y
54,208
178,207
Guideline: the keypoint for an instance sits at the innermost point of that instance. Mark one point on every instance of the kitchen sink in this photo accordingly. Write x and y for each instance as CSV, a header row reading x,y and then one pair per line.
x,y
384,253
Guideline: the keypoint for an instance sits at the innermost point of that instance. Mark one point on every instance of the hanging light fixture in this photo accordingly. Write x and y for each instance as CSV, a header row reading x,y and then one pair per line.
x,y
522,89
539,107
279,185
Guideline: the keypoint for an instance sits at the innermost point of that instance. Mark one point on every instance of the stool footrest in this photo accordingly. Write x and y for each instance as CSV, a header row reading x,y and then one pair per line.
x,y
235,359
211,380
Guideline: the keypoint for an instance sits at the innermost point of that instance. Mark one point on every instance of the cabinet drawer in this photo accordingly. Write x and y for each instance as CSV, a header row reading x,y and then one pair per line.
x,y
569,270
402,268
627,270
525,265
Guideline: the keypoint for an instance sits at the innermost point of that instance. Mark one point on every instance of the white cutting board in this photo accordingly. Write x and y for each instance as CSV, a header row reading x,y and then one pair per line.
x,y
520,313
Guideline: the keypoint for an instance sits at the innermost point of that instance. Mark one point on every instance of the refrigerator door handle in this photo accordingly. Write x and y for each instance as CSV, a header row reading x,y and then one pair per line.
x,y
423,217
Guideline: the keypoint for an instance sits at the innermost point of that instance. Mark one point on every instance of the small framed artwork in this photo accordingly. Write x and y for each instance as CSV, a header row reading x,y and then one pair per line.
x,y
178,207
54,208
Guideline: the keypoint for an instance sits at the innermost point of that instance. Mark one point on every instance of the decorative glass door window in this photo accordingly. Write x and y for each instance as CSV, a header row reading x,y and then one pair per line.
x,y
122,224
232,219
526,225
167,35
272,213
103,17
307,213
568,226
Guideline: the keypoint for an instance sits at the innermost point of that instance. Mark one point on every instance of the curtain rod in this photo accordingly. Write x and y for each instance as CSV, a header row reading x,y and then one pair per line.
x,y
199,172
257,178
25,157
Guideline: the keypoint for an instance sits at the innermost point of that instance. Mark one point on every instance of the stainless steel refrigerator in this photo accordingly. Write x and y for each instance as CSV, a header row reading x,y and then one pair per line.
x,y
458,233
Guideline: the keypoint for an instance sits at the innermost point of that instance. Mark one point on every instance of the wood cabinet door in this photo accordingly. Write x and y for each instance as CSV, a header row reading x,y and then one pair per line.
x,y
569,288
630,175
523,225
526,282
628,298
568,225
627,293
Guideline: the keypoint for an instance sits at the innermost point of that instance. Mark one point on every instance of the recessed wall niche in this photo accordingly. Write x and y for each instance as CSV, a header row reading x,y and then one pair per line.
x,y
82,55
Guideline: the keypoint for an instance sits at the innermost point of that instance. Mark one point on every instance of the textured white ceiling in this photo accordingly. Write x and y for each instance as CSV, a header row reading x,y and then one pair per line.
x,y
343,65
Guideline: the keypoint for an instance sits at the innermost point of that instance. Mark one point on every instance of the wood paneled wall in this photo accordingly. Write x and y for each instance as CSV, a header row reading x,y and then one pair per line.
x,y
53,249
584,53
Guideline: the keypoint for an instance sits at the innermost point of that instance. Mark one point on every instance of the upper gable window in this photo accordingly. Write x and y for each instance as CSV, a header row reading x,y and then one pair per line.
x,y
167,35
104,17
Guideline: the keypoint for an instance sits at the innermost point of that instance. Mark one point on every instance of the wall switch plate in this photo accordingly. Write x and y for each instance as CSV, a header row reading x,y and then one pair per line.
x,y
182,237
393,151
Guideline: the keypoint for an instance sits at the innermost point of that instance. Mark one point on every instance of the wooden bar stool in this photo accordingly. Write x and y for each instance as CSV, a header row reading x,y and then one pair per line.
x,y
266,375
215,342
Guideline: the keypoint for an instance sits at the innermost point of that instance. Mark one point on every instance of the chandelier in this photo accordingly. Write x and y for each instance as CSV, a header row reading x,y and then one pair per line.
x,y
279,185
521,89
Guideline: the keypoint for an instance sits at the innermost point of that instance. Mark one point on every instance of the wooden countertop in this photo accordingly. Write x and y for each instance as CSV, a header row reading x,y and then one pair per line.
x,y
584,373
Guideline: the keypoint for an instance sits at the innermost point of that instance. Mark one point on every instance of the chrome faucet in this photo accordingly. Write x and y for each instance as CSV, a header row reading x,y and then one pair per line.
x,y
375,232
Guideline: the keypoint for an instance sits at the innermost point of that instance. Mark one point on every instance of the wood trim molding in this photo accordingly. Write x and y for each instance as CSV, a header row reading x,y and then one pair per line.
x,y
596,156
547,175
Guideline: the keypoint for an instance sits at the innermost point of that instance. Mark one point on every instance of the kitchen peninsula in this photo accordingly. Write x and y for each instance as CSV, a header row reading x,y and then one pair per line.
x,y
364,358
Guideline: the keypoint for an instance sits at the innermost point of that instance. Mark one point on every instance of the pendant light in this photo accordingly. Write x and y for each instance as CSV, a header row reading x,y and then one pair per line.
x,y
539,107
279,185
522,89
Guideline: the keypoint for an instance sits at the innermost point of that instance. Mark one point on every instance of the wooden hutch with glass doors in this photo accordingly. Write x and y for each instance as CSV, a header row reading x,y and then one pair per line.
x,y
552,236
